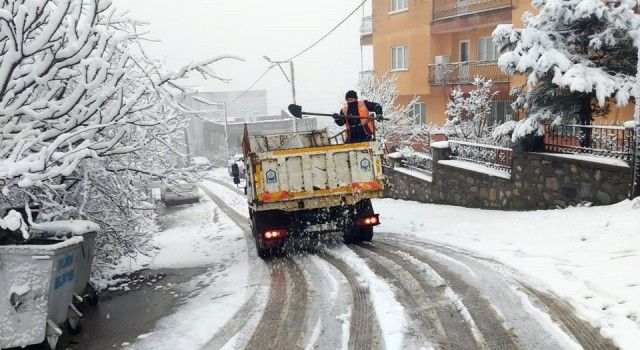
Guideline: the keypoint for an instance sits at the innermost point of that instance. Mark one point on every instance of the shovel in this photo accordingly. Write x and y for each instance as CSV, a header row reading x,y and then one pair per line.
x,y
297,112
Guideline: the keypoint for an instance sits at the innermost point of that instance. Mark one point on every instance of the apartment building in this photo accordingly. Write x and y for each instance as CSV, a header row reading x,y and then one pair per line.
x,y
436,45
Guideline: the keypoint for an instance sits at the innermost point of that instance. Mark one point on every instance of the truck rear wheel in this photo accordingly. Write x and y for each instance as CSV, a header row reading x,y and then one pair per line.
x,y
353,233
266,220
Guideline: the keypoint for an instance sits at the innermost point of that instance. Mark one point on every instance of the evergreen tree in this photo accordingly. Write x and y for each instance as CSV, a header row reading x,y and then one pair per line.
x,y
579,56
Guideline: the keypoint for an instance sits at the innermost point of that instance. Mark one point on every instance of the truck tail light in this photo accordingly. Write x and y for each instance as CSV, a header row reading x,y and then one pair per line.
x,y
274,234
373,220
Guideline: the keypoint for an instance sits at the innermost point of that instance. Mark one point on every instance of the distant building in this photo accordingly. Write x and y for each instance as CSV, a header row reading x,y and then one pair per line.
x,y
249,105
206,132
282,123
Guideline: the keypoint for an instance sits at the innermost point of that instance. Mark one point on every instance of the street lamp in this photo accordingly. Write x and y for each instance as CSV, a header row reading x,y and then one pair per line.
x,y
292,81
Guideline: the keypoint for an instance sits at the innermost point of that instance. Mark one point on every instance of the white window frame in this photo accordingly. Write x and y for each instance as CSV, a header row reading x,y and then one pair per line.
x,y
396,65
421,116
485,52
397,6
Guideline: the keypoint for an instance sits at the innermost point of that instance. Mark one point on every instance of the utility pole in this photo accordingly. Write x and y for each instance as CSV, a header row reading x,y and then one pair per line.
x,y
292,81
636,156
226,128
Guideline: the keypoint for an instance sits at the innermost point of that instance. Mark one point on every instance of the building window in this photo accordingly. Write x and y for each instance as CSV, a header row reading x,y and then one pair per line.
x,y
487,50
399,58
399,5
501,112
419,111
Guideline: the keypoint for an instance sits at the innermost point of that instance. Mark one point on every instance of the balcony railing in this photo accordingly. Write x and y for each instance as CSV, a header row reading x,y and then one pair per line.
x,y
452,8
366,28
465,72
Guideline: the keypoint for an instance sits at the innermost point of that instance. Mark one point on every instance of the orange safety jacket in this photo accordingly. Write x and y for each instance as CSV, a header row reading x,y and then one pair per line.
x,y
363,112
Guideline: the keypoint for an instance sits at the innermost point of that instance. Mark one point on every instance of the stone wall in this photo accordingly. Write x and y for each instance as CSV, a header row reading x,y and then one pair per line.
x,y
537,181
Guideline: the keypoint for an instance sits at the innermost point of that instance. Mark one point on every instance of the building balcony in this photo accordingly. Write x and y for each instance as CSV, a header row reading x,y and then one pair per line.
x,y
464,72
366,31
443,9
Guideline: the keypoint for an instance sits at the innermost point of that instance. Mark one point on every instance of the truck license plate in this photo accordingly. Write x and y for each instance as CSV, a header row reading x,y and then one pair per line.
x,y
329,226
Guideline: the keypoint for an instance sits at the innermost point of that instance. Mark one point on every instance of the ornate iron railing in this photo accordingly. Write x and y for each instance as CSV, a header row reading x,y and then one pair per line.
x,y
366,28
420,162
609,141
452,8
491,156
465,72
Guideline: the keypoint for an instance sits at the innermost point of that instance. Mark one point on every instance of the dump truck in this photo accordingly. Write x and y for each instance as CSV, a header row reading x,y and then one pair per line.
x,y
303,185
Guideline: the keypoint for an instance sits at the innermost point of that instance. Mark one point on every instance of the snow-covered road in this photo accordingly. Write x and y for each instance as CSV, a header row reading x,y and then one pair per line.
x,y
426,282
399,292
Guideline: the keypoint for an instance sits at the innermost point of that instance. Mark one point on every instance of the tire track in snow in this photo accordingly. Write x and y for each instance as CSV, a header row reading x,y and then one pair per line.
x,y
258,273
284,319
456,330
364,330
330,299
561,312
489,322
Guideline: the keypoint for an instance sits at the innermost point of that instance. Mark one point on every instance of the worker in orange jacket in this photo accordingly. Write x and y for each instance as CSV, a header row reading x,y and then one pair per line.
x,y
361,130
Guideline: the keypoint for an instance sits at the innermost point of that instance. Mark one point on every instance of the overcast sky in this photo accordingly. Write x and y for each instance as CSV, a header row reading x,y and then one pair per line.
x,y
196,29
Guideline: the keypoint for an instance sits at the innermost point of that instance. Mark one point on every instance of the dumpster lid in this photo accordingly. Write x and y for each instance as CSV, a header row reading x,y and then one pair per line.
x,y
51,248
63,227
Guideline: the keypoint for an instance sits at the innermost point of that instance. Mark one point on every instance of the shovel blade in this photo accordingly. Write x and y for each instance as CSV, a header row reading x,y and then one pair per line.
x,y
295,110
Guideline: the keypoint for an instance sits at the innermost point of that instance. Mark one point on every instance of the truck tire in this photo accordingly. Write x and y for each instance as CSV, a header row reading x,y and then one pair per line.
x,y
261,221
264,253
352,233
365,208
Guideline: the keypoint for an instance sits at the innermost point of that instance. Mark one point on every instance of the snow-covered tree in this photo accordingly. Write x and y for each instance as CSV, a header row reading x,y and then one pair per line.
x,y
87,120
401,127
468,116
579,57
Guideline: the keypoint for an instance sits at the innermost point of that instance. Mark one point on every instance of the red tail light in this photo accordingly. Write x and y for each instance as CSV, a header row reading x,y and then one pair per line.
x,y
373,220
274,234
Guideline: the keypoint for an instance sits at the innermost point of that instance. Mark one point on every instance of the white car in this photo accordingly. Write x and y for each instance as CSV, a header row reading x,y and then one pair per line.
x,y
177,194
202,163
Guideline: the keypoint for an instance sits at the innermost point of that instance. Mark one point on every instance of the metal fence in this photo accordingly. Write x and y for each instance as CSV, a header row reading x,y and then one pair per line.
x,y
465,72
420,162
447,8
609,141
491,156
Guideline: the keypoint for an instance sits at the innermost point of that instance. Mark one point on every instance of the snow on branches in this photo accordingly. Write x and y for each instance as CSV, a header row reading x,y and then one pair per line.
x,y
86,118
468,117
579,57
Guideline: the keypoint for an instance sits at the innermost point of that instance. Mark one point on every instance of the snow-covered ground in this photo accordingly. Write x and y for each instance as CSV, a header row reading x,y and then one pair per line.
x,y
588,256
198,236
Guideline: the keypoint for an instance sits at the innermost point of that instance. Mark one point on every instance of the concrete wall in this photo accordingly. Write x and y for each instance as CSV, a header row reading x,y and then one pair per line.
x,y
537,181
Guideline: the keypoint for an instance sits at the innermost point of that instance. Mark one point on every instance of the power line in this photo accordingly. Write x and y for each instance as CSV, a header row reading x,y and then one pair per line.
x,y
329,33
252,85
301,52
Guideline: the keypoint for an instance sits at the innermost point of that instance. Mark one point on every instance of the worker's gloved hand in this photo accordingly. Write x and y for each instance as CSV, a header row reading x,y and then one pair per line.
x,y
336,116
